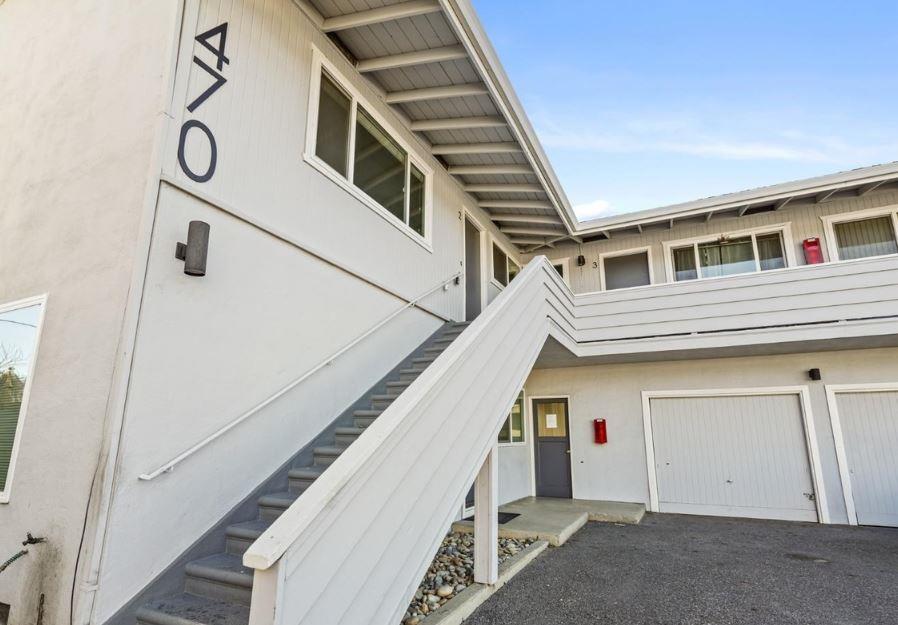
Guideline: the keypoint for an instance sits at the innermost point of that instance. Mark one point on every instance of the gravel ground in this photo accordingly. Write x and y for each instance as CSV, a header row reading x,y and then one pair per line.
x,y
680,570
451,572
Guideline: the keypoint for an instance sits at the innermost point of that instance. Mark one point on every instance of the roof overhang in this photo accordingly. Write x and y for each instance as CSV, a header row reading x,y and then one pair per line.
x,y
854,183
434,65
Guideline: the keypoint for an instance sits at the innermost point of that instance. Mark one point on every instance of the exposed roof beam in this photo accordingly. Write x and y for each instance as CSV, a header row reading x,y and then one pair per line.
x,y
476,148
515,204
526,219
709,216
782,203
744,209
489,170
822,197
639,228
504,188
607,234
436,93
421,57
670,225
526,241
380,15
537,232
456,123
867,188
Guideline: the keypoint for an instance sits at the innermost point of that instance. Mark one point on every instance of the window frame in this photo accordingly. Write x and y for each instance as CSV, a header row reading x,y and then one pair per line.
x,y
321,65
566,267
522,396
647,250
508,259
788,250
5,494
830,221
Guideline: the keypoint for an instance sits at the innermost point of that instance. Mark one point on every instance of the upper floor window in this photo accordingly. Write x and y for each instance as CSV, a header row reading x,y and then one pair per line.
x,y
19,326
350,141
504,269
876,235
729,255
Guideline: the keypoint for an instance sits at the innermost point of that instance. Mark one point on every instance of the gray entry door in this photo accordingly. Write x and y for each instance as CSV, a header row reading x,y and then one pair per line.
x,y
552,448
472,271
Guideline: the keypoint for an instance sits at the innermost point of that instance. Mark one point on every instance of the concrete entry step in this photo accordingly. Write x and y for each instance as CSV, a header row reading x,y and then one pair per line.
x,y
556,520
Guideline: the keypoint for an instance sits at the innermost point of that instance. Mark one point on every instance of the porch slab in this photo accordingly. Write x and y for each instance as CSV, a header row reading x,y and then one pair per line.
x,y
556,520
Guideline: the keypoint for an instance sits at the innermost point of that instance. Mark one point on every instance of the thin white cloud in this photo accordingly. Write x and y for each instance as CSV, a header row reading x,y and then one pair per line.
x,y
593,210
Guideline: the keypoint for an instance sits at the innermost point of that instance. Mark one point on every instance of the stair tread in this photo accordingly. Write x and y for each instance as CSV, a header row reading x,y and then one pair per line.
x,y
306,473
223,567
188,609
348,431
367,413
278,500
402,383
248,529
329,450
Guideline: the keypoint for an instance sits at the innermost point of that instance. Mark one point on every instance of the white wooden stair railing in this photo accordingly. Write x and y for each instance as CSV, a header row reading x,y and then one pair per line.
x,y
354,547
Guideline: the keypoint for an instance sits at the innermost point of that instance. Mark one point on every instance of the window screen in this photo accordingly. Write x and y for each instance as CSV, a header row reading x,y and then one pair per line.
x,y
770,251
726,258
866,237
513,429
684,263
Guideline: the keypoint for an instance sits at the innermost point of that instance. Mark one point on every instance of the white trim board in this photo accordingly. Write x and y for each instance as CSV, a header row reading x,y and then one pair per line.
x,y
832,390
39,300
803,394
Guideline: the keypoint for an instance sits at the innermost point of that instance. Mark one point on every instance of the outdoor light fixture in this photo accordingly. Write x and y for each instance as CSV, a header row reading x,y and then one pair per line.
x,y
814,374
581,260
194,252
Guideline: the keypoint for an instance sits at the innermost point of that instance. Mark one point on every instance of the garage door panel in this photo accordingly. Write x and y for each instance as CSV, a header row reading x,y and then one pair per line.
x,y
869,423
732,455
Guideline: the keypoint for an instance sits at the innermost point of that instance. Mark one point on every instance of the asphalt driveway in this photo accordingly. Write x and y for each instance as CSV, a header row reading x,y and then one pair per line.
x,y
683,570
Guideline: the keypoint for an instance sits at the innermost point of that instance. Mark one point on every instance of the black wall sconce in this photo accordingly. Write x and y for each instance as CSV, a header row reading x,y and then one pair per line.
x,y
581,260
815,375
195,251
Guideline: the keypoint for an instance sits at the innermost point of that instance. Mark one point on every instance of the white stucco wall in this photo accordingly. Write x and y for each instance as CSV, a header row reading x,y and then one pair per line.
x,y
81,90
617,470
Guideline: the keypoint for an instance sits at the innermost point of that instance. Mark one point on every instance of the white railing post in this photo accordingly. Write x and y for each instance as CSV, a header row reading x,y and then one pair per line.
x,y
486,520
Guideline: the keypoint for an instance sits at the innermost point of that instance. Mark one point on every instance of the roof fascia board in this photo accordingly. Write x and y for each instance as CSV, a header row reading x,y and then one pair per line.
x,y
755,197
469,30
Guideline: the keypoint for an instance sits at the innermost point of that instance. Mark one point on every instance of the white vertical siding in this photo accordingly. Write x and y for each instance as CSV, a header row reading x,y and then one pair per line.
x,y
734,455
869,423
804,218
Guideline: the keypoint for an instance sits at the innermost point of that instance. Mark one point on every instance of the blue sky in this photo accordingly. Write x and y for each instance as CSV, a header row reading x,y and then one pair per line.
x,y
647,104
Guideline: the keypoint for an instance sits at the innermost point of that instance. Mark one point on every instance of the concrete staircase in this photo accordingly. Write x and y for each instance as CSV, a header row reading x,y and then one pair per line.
x,y
217,588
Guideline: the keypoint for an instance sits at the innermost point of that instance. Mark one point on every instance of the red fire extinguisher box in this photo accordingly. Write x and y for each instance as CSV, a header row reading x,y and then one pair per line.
x,y
813,252
600,431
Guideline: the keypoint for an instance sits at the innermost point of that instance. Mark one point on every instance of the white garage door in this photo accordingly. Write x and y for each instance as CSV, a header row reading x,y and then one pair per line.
x,y
869,454
734,455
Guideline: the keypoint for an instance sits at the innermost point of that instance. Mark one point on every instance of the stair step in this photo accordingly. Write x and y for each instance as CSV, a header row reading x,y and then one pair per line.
x,y
382,401
187,609
347,436
445,340
399,385
271,506
424,360
410,375
436,349
222,577
241,535
324,456
364,418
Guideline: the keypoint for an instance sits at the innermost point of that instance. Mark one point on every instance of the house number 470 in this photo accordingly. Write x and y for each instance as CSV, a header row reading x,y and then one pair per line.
x,y
219,34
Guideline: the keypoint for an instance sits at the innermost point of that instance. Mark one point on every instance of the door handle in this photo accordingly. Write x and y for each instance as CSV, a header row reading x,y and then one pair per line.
x,y
567,451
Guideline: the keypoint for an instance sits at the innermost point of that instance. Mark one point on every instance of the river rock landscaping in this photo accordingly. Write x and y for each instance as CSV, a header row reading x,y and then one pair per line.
x,y
452,571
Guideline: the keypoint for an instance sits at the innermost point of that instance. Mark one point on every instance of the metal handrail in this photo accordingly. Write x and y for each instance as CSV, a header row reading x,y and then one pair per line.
x,y
170,465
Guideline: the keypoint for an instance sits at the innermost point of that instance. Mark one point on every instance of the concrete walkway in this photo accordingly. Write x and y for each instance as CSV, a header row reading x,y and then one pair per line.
x,y
679,570
556,520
